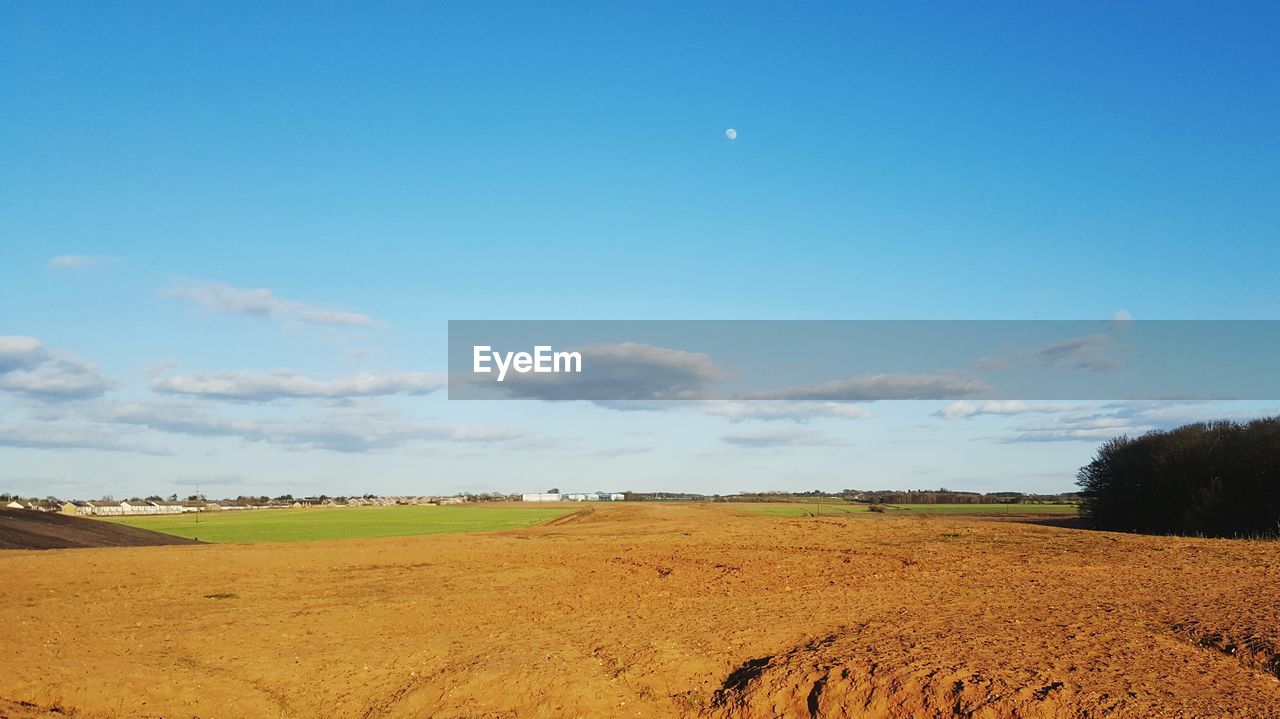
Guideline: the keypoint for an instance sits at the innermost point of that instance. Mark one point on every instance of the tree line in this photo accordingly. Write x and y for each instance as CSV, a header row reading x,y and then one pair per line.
x,y
1219,479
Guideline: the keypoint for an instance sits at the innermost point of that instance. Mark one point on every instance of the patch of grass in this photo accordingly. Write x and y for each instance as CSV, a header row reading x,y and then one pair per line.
x,y
804,510
300,525
972,510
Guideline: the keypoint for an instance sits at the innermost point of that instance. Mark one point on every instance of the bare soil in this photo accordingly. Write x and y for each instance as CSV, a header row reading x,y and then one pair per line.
x,y
27,529
653,611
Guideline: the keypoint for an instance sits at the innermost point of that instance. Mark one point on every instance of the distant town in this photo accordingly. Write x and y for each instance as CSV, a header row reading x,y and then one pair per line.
x,y
155,504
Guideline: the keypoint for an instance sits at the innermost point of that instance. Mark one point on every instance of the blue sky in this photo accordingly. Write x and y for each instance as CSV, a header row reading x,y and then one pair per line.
x,y
414,163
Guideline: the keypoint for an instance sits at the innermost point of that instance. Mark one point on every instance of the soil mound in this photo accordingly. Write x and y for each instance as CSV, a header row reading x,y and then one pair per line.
x,y
28,529
843,676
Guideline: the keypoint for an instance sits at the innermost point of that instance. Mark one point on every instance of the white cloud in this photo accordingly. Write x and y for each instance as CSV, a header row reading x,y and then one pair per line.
x,y
779,438
79,436
1091,429
622,371
782,410
352,430
765,410
66,262
1126,418
965,408
281,384
221,297
884,386
1093,353
1121,316
30,369
17,352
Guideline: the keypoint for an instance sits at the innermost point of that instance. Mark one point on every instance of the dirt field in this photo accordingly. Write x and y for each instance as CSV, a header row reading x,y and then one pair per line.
x,y
25,529
653,611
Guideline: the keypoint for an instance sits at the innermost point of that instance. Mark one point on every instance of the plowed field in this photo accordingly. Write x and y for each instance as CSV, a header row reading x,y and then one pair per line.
x,y
653,611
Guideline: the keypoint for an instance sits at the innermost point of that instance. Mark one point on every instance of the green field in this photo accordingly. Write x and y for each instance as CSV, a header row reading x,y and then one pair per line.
x,y
300,525
976,510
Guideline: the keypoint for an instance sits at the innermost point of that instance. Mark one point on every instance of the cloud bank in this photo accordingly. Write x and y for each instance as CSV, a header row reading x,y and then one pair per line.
x,y
883,386
286,384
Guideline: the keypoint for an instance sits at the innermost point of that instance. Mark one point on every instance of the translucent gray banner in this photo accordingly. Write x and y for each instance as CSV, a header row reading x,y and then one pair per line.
x,y
863,360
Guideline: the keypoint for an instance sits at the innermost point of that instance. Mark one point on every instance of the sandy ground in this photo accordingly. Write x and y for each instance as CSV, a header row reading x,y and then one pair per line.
x,y
652,611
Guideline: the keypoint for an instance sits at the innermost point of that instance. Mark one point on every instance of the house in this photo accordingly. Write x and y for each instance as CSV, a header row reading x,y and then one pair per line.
x,y
106,507
114,508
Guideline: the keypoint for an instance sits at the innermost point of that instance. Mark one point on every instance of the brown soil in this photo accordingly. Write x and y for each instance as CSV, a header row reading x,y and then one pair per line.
x,y
653,611
28,529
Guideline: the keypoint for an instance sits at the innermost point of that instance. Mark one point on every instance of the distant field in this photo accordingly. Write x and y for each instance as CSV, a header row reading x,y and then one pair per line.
x,y
977,510
299,525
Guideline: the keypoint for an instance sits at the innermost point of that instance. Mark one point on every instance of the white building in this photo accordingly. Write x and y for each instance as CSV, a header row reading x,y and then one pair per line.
x,y
116,508
541,497
594,497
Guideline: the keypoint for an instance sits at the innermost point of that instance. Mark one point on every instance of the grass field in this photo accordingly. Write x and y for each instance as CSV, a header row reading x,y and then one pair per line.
x,y
298,525
976,510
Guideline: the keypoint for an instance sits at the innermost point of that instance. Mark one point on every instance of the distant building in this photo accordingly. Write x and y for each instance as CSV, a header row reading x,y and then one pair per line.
x,y
113,508
541,497
594,497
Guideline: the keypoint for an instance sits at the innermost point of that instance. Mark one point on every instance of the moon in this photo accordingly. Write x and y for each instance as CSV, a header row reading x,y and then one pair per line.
x,y
731,133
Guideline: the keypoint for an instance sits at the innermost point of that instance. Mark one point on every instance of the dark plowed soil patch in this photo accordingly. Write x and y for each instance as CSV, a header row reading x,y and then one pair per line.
x,y
1253,651
10,709
27,529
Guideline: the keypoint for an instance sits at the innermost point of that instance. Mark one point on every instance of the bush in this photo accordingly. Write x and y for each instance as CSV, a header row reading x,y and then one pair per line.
x,y
876,508
1217,479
